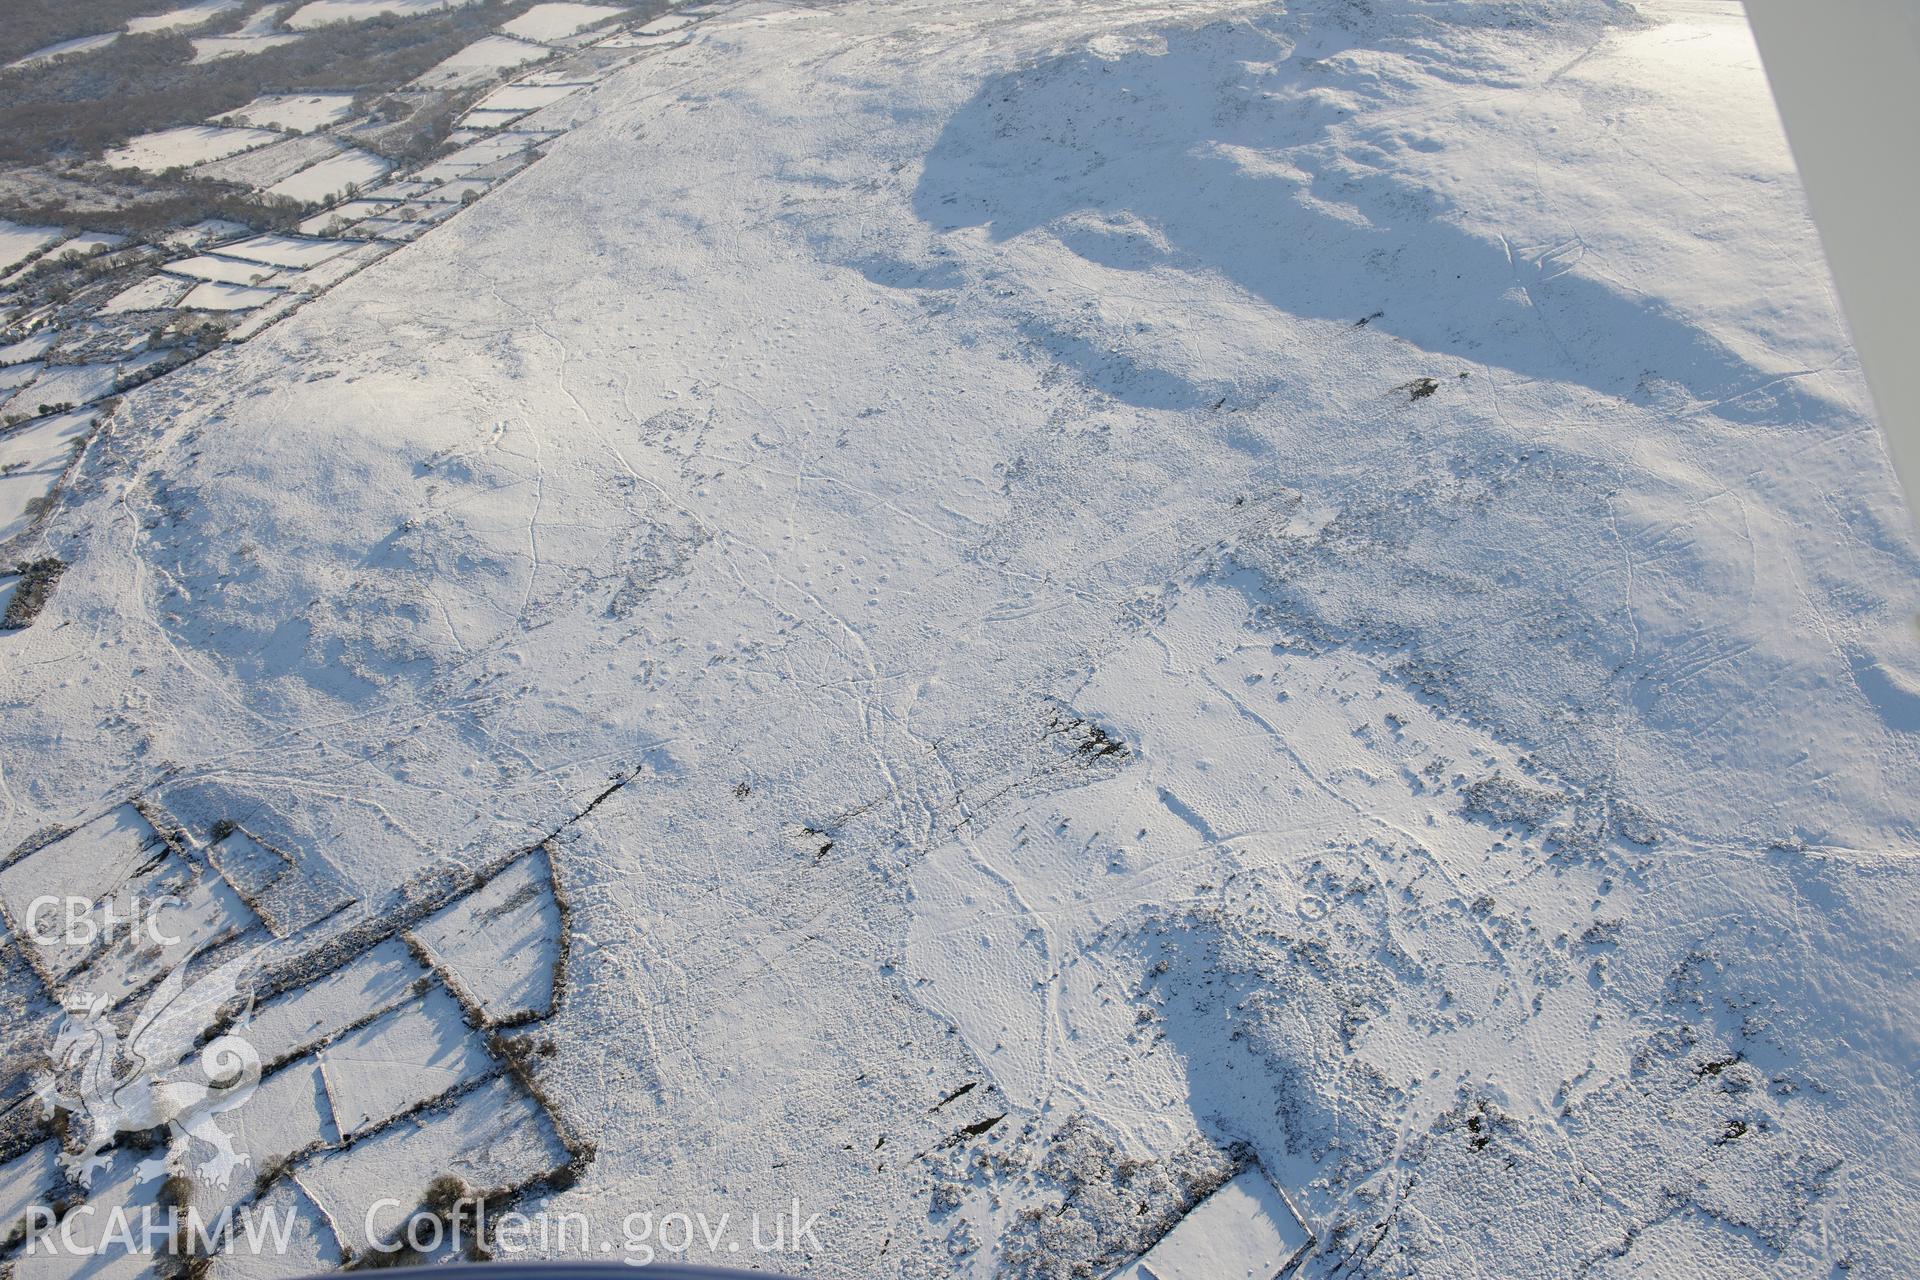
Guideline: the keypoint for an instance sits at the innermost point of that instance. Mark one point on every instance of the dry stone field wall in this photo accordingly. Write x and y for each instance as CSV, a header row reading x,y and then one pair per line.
x,y
88,315
396,1046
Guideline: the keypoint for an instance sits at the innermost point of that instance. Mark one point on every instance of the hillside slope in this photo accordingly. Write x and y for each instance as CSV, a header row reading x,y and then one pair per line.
x,y
1310,584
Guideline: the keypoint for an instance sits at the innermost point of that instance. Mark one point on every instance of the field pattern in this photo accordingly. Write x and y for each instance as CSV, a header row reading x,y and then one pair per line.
x,y
1031,628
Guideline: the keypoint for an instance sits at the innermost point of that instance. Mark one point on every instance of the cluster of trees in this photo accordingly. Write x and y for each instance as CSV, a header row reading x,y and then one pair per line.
x,y
30,595
165,206
415,123
32,25
55,276
80,106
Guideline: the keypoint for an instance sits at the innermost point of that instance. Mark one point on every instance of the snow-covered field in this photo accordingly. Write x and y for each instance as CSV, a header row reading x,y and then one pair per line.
x,y
480,61
261,31
1117,618
32,461
552,21
212,48
62,384
186,145
298,112
331,178
516,98
318,13
184,18
65,48
190,15
264,166
19,243
224,295
152,293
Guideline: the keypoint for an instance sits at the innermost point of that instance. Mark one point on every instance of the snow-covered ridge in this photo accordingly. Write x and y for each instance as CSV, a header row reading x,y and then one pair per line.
x,y
1093,600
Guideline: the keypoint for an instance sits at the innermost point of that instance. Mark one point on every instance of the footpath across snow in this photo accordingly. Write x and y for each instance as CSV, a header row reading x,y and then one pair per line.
x,y
1097,600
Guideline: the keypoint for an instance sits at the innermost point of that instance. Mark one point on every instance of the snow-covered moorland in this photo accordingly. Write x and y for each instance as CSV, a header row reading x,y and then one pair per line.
x,y
1091,597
